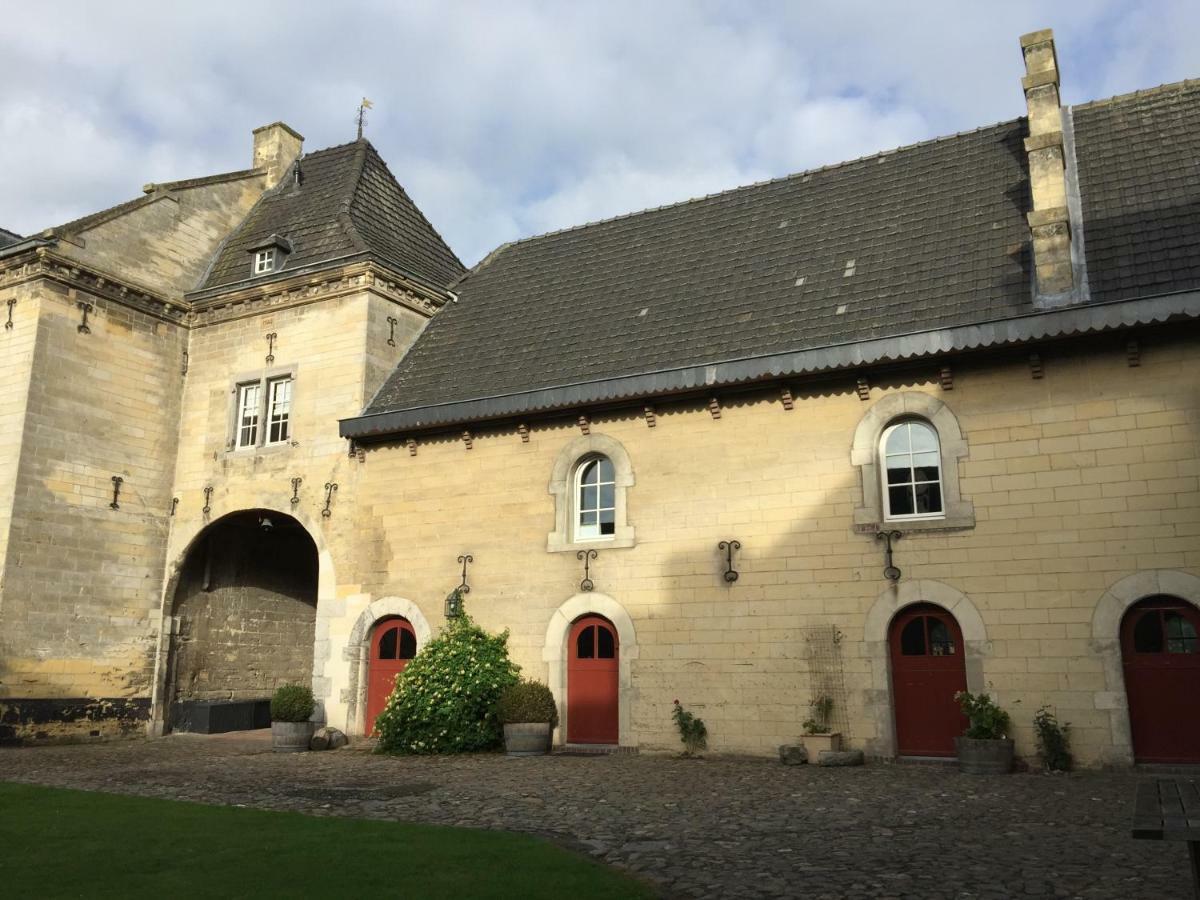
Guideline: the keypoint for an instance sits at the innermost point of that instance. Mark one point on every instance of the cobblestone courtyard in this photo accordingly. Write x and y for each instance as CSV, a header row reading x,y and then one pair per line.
x,y
698,828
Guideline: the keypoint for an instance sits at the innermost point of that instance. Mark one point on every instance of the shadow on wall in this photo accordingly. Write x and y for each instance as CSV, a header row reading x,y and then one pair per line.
x,y
246,605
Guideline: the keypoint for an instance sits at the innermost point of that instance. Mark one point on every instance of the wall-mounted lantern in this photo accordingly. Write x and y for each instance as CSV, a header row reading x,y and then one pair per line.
x,y
454,604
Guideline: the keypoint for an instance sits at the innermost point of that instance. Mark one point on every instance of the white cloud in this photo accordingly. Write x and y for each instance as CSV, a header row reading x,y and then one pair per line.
x,y
508,119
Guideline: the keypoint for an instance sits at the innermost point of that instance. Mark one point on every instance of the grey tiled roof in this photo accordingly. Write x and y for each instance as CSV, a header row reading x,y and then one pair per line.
x,y
346,203
931,236
7,238
1139,172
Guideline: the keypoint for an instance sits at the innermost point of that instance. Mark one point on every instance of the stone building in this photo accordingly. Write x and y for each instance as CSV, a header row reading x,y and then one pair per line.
x,y
875,432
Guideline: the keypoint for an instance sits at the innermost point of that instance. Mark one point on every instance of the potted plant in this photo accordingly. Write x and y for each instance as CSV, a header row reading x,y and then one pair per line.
x,y
291,708
818,732
985,748
529,714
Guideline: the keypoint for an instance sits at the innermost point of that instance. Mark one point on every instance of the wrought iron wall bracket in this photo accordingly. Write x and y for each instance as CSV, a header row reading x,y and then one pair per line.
x,y
174,503
117,481
392,323
207,500
731,574
9,324
330,489
271,347
85,308
587,556
466,558
890,572
296,482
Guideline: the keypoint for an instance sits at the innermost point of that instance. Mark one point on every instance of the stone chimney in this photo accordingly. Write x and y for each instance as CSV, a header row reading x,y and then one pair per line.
x,y
276,147
1049,223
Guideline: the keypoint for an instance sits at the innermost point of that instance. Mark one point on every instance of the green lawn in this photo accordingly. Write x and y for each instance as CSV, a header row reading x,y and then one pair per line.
x,y
60,843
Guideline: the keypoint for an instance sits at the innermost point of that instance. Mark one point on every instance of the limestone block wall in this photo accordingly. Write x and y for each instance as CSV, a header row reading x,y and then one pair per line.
x,y
1079,479
166,243
82,579
16,365
337,348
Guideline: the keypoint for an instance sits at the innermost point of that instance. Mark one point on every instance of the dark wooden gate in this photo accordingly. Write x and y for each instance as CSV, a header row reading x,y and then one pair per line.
x,y
393,644
927,670
592,664
1161,655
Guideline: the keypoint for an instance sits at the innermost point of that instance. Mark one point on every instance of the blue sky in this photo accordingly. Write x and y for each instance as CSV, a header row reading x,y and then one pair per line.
x,y
505,119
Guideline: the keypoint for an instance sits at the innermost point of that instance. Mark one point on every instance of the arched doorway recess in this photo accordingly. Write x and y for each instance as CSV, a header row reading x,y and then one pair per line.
x,y
1160,653
593,701
928,669
244,607
393,644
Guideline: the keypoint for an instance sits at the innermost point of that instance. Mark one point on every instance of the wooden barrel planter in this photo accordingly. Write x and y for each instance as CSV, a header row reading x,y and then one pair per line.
x,y
527,738
984,757
290,737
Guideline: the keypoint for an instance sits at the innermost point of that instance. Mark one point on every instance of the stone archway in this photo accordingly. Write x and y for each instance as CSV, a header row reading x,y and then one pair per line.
x,y
185,536
878,702
241,611
1106,644
358,649
554,652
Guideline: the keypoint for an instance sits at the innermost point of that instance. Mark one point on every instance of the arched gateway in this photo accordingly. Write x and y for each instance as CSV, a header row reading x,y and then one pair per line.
x,y
244,612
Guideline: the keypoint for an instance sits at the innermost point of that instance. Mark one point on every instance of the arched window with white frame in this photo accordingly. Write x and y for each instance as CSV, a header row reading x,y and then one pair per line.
x,y
595,499
590,485
910,458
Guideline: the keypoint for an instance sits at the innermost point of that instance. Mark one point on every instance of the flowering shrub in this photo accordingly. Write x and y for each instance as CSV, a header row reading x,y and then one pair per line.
x,y
445,699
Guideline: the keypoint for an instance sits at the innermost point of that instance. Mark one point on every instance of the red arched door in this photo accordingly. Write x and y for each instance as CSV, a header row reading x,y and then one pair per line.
x,y
1161,655
592,661
927,671
393,644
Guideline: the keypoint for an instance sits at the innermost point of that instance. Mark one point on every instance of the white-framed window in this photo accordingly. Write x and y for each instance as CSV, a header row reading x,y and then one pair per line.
x,y
279,409
595,499
248,415
264,261
262,411
912,471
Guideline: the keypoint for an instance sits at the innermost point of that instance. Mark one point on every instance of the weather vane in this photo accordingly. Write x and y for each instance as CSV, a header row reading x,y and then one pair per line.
x,y
362,115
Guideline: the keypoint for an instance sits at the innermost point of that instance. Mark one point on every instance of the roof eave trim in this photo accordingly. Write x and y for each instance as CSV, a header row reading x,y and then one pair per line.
x,y
1091,319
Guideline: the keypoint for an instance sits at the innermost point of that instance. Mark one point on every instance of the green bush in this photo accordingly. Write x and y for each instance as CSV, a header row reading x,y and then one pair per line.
x,y
292,703
692,731
445,699
527,701
1054,740
986,720
818,722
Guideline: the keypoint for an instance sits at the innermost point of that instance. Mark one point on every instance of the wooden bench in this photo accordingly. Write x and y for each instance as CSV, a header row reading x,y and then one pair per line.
x,y
1168,809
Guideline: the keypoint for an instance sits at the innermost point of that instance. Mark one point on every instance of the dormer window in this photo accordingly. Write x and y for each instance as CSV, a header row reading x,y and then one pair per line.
x,y
269,255
264,261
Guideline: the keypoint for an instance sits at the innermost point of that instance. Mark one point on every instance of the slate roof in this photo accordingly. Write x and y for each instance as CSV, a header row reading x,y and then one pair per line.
x,y
931,236
8,238
1139,171
346,203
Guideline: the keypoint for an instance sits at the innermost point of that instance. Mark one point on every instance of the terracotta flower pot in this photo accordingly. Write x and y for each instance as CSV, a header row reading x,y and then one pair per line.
x,y
527,738
815,744
984,757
